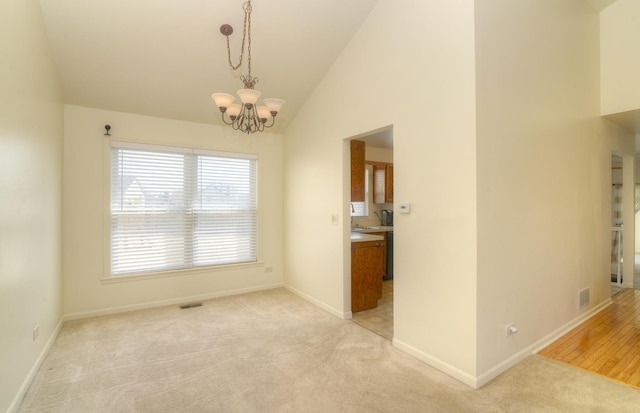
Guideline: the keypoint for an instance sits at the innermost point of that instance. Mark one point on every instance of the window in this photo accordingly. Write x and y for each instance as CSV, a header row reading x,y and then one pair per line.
x,y
361,209
175,209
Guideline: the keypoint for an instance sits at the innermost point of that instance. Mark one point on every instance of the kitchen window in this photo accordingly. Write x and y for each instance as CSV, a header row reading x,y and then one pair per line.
x,y
175,208
361,209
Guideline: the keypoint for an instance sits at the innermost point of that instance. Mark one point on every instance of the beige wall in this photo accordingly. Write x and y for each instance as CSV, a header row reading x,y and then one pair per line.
x,y
86,212
378,154
544,176
429,46
30,197
536,187
620,31
484,247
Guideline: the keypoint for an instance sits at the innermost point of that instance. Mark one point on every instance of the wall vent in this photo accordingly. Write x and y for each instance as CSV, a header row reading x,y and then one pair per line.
x,y
185,306
584,297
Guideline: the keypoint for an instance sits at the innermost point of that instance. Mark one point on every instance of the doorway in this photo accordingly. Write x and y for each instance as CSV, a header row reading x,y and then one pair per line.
x,y
617,229
623,210
373,217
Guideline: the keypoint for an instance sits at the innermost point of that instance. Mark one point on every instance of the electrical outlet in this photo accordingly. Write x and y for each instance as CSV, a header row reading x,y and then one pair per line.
x,y
511,329
268,269
36,331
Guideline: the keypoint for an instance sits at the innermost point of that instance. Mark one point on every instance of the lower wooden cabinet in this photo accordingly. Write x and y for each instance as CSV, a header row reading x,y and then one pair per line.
x,y
383,266
367,269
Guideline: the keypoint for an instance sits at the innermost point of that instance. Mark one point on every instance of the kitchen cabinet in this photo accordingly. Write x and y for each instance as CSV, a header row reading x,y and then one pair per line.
x,y
367,269
382,182
383,267
357,171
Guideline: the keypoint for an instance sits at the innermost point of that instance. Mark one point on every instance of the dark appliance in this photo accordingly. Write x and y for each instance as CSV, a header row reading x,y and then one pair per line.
x,y
389,274
387,218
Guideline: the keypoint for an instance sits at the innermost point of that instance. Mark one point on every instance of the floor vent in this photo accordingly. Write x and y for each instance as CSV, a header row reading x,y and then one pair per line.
x,y
192,305
584,297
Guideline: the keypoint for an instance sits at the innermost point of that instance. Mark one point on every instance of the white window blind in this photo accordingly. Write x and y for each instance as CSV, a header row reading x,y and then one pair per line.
x,y
176,209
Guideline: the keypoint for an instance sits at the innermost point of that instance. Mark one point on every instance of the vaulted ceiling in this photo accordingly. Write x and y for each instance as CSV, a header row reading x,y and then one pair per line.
x,y
165,57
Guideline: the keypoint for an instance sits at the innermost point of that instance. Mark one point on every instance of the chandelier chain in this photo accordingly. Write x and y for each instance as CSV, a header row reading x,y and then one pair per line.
x,y
248,24
246,28
248,116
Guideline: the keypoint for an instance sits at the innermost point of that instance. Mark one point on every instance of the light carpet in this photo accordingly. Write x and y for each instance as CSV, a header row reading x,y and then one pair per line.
x,y
271,351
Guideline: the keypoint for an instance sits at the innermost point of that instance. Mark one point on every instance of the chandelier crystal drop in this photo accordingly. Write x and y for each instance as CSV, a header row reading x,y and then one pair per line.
x,y
247,116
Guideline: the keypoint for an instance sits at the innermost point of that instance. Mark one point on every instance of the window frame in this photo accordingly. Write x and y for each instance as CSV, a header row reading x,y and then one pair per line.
x,y
368,197
108,277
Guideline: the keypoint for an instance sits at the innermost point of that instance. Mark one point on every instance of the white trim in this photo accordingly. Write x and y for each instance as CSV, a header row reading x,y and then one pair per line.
x,y
107,277
17,400
343,315
540,344
434,362
180,149
170,301
149,147
482,379
550,338
179,272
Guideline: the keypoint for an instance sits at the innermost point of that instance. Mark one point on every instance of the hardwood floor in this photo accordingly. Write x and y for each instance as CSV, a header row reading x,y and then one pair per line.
x,y
608,344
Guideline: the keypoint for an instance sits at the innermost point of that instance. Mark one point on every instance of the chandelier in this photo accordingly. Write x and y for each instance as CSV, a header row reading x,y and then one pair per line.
x,y
248,117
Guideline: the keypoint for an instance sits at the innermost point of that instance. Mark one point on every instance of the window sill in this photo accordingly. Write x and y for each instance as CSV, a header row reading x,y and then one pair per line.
x,y
113,279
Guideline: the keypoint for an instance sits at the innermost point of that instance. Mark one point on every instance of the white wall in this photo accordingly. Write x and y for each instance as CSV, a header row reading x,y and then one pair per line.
x,y
372,153
620,31
544,176
411,66
86,210
30,196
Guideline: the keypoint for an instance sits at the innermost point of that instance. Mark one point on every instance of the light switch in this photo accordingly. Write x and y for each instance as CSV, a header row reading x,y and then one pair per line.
x,y
405,208
335,219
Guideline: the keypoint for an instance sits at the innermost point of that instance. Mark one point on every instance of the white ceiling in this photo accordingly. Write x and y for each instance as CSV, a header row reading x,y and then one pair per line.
x,y
165,57
601,4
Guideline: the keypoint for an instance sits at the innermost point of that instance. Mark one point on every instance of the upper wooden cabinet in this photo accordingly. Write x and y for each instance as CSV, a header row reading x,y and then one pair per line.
x,y
357,171
382,182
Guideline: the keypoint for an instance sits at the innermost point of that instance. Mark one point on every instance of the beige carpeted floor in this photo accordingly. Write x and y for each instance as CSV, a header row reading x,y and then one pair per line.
x,y
274,352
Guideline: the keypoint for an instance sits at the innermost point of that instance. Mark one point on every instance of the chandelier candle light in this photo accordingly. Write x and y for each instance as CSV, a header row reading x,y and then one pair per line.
x,y
247,117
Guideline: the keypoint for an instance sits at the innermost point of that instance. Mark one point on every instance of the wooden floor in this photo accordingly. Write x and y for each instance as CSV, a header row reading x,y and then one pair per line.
x,y
608,344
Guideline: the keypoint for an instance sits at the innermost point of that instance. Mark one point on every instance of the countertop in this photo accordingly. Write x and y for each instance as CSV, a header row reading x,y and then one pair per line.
x,y
362,237
367,230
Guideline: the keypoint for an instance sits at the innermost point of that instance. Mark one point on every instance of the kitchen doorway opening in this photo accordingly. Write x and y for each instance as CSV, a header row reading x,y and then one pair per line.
x,y
372,215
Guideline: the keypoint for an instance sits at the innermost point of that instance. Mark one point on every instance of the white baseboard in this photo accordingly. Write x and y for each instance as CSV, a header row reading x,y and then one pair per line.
x,y
550,338
481,380
470,380
343,315
434,362
34,369
540,344
171,301
114,310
